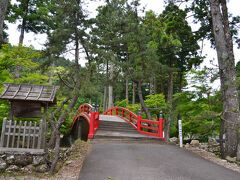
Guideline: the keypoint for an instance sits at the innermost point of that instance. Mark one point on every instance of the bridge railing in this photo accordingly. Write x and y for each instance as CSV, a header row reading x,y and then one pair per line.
x,y
94,117
83,108
94,122
140,124
156,127
123,113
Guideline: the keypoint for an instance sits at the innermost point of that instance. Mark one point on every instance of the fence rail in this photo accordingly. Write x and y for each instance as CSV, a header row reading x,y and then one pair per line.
x,y
22,137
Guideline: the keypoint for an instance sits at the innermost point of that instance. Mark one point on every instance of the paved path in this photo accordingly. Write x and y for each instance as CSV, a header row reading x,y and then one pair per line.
x,y
125,161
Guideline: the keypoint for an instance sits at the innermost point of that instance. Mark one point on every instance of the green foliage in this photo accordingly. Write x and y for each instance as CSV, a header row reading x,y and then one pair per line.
x,y
156,101
199,116
124,103
33,78
12,56
18,55
4,110
5,76
80,101
134,108
68,122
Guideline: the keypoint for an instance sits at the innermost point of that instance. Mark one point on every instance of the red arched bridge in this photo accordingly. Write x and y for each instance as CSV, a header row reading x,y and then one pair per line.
x,y
87,123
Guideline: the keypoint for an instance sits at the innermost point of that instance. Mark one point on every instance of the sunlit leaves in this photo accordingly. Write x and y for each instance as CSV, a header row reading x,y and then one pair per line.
x,y
156,101
20,55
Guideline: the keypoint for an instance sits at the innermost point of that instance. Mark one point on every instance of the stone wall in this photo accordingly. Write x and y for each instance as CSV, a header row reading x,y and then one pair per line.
x,y
211,146
15,161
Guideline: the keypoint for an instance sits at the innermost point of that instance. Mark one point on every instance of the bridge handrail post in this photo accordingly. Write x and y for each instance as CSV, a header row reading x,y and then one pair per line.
x,y
97,114
160,130
139,120
92,124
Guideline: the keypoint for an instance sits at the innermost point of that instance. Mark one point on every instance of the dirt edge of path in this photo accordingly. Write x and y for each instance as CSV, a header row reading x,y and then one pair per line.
x,y
215,159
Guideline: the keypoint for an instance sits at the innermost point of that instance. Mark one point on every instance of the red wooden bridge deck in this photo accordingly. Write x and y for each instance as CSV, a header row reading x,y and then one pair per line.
x,y
118,122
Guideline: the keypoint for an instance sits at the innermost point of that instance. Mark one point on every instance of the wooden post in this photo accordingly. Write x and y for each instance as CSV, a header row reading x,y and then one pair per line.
x,y
34,134
19,133
11,111
3,132
45,129
9,131
24,134
14,133
40,134
29,134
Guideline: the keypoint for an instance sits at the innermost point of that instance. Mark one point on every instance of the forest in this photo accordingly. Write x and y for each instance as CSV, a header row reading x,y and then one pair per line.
x,y
135,59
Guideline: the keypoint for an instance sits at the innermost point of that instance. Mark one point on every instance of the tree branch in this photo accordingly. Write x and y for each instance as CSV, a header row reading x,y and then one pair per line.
x,y
64,82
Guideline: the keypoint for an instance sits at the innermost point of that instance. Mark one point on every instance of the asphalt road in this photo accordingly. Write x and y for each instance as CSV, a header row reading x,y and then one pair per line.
x,y
119,161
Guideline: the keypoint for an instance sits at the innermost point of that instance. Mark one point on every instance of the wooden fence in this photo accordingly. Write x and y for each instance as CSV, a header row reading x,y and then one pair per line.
x,y
22,137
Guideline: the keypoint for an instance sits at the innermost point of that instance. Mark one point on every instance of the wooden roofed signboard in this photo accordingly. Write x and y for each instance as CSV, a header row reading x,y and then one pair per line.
x,y
27,99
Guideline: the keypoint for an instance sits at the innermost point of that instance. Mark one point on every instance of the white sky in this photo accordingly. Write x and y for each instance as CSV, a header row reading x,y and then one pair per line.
x,y
156,5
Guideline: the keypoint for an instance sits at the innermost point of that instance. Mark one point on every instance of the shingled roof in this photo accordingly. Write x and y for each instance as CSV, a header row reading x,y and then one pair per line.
x,y
29,92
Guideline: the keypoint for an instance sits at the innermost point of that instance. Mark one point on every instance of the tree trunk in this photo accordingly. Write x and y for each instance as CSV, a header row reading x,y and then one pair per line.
x,y
221,138
139,87
22,31
151,86
55,138
180,74
56,154
76,64
105,99
51,73
3,10
170,99
127,87
133,93
155,85
170,87
64,115
110,87
21,38
223,42
162,82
